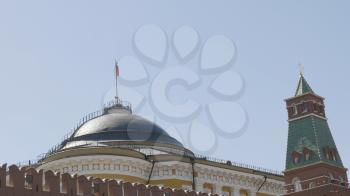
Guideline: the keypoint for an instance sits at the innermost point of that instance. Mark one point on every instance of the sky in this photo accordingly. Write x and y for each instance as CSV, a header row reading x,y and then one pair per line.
x,y
57,58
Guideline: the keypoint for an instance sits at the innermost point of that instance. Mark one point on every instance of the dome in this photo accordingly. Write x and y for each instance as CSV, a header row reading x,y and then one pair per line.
x,y
123,127
118,127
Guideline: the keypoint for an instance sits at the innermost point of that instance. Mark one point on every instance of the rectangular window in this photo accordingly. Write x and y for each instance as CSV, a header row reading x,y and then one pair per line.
x,y
85,167
126,168
74,168
106,166
304,107
96,166
156,172
299,108
315,107
65,170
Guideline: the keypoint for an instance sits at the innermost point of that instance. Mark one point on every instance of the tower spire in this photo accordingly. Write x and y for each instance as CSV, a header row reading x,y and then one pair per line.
x,y
301,69
303,86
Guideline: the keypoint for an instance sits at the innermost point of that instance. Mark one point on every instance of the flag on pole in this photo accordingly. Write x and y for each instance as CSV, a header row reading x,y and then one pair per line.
x,y
116,69
116,79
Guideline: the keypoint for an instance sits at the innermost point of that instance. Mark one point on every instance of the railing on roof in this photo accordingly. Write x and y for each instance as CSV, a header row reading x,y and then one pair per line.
x,y
118,103
241,165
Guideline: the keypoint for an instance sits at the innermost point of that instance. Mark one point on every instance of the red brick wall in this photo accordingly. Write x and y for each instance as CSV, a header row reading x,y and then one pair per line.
x,y
16,181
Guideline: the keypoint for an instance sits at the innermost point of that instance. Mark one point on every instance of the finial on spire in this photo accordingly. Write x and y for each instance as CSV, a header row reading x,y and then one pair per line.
x,y
301,69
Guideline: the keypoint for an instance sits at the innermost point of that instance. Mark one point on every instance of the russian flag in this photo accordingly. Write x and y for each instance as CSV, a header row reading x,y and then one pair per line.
x,y
116,70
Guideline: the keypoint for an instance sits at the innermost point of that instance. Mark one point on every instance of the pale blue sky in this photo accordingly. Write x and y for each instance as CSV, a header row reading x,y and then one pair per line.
x,y
56,59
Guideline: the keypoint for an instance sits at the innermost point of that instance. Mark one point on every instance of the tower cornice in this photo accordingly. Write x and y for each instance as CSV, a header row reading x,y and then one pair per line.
x,y
301,117
309,93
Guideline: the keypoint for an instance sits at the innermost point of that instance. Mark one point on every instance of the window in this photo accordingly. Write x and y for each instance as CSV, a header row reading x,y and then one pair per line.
x,y
307,156
321,109
334,154
297,185
125,167
312,185
96,166
156,172
296,159
331,153
28,181
165,172
315,107
106,166
65,170
292,111
334,157
304,107
75,168
299,108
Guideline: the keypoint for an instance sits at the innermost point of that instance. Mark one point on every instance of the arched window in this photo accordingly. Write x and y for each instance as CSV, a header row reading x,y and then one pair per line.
x,y
297,185
296,159
331,177
307,156
312,185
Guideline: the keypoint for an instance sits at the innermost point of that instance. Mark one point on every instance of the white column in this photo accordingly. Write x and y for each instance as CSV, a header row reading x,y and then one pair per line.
x,y
236,191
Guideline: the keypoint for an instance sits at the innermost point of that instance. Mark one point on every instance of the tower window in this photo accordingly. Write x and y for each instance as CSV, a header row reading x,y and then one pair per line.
x,y
331,153
321,109
304,107
334,154
297,185
296,157
307,156
296,160
331,178
315,107
299,108
312,185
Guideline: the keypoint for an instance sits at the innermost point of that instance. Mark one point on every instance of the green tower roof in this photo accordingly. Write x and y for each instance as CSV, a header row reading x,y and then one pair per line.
x,y
303,87
313,133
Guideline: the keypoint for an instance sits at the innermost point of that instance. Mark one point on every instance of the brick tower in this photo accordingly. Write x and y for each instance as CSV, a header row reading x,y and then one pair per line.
x,y
313,164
